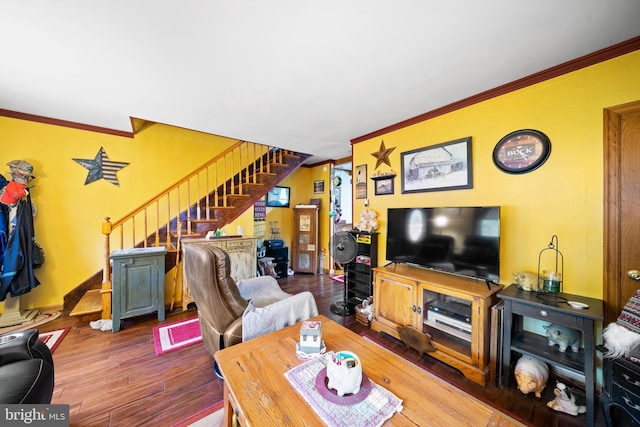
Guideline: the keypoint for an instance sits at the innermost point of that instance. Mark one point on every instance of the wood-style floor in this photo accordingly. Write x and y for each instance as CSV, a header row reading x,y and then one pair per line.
x,y
116,379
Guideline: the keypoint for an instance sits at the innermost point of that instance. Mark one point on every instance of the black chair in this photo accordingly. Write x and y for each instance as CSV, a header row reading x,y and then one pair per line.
x,y
26,369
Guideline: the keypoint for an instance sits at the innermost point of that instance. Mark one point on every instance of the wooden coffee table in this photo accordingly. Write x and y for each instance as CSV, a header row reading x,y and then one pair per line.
x,y
257,392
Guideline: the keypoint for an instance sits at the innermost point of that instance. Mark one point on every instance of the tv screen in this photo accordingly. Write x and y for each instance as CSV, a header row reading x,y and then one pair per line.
x,y
460,240
278,197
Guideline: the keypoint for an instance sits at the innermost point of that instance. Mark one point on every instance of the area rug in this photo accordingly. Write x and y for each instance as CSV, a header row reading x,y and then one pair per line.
x,y
480,396
338,278
210,417
54,338
41,318
176,335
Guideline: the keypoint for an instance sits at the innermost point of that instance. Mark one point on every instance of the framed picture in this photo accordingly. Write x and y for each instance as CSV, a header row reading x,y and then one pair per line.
x,y
361,182
278,197
440,167
383,185
318,187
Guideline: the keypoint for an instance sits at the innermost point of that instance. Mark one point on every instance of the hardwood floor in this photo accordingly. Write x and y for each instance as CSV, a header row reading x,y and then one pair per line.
x,y
116,379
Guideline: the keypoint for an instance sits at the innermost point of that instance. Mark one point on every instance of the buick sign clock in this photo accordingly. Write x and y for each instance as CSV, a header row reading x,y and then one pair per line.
x,y
522,151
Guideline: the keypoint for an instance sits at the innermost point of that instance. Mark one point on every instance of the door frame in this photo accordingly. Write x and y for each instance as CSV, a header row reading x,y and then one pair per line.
x,y
614,301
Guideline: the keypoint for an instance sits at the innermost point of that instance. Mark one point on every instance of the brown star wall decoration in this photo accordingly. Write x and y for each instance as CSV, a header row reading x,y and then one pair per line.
x,y
383,155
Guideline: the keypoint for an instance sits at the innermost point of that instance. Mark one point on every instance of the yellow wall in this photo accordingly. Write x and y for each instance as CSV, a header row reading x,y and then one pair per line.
x,y
564,197
69,213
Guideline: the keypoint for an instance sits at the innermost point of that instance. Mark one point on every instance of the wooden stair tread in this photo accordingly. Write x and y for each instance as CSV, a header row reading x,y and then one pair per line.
x,y
90,303
204,221
221,207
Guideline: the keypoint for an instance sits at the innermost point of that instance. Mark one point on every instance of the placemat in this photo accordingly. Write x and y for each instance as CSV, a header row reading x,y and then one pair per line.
x,y
378,406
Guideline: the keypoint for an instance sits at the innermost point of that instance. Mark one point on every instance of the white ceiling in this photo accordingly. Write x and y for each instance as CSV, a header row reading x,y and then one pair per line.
x,y
304,75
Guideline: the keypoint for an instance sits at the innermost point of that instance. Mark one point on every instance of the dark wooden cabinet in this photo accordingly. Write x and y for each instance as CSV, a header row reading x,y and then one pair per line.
x,y
620,399
359,279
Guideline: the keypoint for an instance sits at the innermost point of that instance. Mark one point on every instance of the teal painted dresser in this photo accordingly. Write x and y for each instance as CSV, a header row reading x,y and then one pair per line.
x,y
138,283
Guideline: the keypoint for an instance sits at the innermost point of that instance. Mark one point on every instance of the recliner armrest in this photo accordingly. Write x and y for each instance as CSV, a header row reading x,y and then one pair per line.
x,y
15,346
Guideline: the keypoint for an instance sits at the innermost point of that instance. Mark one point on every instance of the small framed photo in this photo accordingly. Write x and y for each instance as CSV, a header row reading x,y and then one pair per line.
x,y
440,167
318,187
361,182
383,185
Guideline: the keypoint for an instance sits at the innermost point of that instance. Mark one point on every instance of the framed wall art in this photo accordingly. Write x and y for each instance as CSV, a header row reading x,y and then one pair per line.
x,y
440,167
361,182
318,187
383,184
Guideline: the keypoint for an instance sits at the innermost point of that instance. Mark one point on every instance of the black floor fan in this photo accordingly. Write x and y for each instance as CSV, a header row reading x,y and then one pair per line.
x,y
344,249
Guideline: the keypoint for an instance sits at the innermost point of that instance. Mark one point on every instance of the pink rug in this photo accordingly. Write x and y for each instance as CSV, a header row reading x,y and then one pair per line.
x,y
176,335
54,338
338,278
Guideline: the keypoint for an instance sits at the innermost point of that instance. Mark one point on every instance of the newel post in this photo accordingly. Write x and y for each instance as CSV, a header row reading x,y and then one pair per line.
x,y
106,271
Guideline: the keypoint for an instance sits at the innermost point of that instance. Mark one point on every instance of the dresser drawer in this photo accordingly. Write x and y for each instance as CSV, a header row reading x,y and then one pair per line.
x,y
626,399
627,376
544,313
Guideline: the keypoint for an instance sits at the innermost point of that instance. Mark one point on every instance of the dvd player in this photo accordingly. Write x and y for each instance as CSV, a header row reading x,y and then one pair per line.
x,y
455,311
460,329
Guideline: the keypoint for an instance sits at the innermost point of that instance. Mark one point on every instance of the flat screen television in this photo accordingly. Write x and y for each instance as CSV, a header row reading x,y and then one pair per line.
x,y
278,197
458,240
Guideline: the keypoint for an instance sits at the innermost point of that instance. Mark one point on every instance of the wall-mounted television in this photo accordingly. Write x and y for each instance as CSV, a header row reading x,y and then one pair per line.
x,y
278,197
458,240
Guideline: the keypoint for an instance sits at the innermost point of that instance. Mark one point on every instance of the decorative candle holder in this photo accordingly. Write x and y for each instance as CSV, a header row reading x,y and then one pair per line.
x,y
550,279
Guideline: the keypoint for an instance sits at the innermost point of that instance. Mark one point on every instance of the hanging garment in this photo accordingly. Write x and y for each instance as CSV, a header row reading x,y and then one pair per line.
x,y
4,220
17,275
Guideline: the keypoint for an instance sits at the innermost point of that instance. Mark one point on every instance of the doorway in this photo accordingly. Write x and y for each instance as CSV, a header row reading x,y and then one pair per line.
x,y
621,206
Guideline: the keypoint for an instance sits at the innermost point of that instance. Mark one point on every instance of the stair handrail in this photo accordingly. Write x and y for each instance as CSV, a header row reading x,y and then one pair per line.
x,y
240,163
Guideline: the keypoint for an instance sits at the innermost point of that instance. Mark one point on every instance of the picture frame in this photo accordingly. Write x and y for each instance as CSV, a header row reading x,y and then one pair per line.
x,y
279,197
383,185
318,187
361,182
440,167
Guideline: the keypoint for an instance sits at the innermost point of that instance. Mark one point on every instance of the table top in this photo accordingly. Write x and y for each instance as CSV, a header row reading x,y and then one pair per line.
x,y
254,373
595,310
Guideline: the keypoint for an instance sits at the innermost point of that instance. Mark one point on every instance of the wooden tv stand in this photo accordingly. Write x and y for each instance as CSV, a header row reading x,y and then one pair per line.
x,y
454,310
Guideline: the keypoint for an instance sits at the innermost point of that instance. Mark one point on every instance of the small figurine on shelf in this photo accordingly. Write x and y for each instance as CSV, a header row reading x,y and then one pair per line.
x,y
565,401
563,336
531,375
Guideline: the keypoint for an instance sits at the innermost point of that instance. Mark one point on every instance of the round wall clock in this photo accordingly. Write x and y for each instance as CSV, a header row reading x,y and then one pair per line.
x,y
337,181
522,151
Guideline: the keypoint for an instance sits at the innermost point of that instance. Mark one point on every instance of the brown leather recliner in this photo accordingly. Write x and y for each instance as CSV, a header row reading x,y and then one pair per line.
x,y
230,313
220,306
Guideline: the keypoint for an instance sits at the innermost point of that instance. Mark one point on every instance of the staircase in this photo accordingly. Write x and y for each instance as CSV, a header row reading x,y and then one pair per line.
x,y
212,196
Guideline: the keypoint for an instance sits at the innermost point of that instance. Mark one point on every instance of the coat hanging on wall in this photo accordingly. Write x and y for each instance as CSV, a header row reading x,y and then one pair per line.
x,y
101,167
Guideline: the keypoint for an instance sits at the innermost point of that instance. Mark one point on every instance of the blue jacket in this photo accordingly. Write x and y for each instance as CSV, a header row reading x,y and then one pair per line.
x,y
17,274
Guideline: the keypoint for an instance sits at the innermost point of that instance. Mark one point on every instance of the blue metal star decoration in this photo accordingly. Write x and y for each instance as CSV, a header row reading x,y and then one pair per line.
x,y
101,167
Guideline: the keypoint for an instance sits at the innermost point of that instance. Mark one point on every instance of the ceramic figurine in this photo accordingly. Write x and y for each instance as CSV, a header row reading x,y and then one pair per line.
x,y
565,401
415,339
344,372
527,281
531,375
563,336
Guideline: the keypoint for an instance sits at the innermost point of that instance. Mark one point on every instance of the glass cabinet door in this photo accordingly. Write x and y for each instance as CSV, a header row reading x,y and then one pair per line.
x,y
448,319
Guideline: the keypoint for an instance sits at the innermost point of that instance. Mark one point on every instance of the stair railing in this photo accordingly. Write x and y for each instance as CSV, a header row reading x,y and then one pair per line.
x,y
160,220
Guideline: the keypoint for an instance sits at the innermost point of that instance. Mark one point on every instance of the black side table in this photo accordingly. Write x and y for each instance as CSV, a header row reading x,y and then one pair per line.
x,y
519,304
